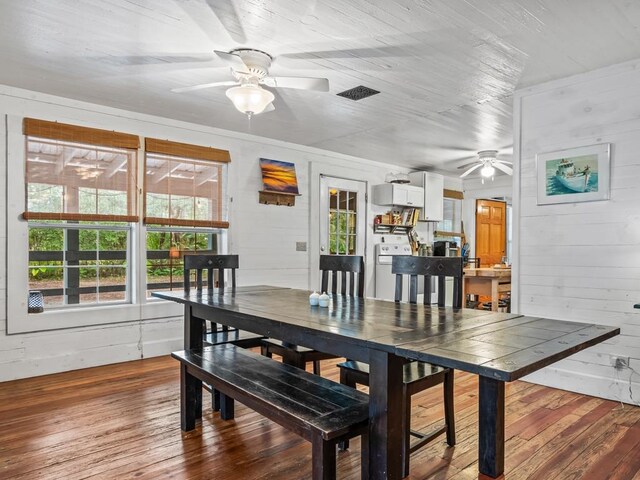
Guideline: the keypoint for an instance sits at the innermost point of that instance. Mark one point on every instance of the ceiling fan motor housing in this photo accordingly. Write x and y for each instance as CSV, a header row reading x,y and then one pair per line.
x,y
487,155
257,61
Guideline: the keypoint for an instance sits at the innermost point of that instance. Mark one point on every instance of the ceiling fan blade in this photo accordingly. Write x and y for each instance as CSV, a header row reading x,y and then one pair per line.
x,y
471,170
203,86
233,60
151,59
467,165
228,17
504,161
504,168
269,108
303,83
365,52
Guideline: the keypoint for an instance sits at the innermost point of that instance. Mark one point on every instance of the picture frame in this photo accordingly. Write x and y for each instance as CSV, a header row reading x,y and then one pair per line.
x,y
579,174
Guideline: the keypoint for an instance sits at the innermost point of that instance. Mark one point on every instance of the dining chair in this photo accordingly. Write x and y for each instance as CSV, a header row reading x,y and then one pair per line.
x,y
418,376
470,300
214,334
345,275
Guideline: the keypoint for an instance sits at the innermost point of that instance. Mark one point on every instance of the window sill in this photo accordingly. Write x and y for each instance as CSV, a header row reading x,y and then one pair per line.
x,y
91,316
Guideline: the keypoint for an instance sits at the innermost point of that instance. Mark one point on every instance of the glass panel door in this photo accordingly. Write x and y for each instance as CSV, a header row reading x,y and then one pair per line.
x,y
342,216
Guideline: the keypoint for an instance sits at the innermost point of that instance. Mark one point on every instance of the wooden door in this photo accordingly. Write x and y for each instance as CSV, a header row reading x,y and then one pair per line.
x,y
491,227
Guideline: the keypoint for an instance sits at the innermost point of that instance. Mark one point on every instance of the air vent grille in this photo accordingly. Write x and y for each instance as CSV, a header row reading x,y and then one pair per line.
x,y
358,93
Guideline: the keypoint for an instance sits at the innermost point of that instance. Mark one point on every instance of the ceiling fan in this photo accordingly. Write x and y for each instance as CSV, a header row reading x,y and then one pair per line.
x,y
250,68
487,161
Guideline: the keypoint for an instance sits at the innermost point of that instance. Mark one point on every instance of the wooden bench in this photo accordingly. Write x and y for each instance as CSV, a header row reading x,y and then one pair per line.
x,y
319,410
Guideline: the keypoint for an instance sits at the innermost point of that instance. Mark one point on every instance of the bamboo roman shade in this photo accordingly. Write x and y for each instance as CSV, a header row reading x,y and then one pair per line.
x,y
176,149
72,133
184,184
78,173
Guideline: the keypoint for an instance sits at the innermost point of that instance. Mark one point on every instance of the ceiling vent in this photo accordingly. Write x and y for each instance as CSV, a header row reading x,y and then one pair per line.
x,y
358,93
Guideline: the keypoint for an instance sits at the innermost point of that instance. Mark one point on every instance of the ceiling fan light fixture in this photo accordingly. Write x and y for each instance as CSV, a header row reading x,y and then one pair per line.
x,y
250,99
487,170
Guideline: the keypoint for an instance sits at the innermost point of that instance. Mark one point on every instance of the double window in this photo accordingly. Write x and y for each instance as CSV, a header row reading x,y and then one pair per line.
x,y
95,218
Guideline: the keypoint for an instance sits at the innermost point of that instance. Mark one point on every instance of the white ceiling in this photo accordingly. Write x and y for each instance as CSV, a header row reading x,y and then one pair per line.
x,y
446,68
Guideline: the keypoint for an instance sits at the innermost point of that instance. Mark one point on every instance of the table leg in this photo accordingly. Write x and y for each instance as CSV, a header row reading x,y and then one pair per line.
x,y
491,427
386,415
193,331
494,295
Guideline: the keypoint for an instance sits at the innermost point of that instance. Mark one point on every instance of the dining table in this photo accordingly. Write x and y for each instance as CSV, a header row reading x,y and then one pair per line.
x,y
497,347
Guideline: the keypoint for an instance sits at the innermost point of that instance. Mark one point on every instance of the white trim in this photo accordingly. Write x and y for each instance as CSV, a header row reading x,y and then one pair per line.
x,y
516,196
17,230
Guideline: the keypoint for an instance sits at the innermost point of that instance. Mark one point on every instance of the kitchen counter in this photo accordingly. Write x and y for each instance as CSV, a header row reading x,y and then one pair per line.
x,y
487,281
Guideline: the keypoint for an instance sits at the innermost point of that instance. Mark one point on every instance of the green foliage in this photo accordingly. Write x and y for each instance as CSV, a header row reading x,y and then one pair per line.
x,y
340,224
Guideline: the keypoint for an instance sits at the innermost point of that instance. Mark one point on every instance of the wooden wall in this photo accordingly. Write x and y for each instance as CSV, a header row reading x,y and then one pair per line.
x,y
264,236
582,261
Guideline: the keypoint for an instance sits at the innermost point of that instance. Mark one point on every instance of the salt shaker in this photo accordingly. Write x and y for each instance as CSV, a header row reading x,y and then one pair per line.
x,y
314,299
323,300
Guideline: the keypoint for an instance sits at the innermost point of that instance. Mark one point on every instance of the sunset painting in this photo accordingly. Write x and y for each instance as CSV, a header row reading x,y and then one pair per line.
x,y
279,176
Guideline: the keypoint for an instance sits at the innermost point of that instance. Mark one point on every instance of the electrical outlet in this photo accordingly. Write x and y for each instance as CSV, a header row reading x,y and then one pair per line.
x,y
619,362
301,246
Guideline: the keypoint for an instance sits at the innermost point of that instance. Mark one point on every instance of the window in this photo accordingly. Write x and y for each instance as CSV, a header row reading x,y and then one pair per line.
x,y
99,224
452,216
450,228
80,200
342,222
166,247
184,207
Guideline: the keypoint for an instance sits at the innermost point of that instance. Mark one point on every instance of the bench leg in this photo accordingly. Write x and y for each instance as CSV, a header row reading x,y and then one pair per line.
x,y
323,459
190,399
345,379
226,407
316,367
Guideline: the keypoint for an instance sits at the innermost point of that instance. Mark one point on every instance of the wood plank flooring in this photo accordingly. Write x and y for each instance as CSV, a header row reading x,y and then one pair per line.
x,y
122,422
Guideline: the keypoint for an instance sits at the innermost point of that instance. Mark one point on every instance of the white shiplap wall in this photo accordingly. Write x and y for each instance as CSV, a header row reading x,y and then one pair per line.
x,y
582,261
264,236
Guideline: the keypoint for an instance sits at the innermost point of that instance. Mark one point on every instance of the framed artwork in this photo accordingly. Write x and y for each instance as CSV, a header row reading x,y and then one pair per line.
x,y
279,176
580,174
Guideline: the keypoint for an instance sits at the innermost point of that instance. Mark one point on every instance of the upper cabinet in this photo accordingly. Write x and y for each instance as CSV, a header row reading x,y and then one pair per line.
x,y
398,194
432,186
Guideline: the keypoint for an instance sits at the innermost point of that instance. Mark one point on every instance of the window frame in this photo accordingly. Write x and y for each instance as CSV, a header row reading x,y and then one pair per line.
x,y
17,255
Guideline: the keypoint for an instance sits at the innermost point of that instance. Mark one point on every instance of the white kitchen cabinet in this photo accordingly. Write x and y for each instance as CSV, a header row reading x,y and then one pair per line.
x,y
432,185
398,194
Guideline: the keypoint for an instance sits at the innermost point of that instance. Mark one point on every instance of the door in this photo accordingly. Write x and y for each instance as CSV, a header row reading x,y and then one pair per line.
x,y
491,222
342,216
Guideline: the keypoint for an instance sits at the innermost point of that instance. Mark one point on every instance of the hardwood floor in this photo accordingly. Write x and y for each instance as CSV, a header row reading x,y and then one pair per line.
x,y
122,421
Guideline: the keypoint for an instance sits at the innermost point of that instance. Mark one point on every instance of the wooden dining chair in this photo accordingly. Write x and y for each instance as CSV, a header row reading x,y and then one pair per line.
x,y
345,275
214,334
418,376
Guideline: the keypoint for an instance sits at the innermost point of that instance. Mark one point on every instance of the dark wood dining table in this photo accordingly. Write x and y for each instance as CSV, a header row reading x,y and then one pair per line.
x,y
498,347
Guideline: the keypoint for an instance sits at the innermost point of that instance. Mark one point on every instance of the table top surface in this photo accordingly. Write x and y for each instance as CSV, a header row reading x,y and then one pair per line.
x,y
498,345
488,272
